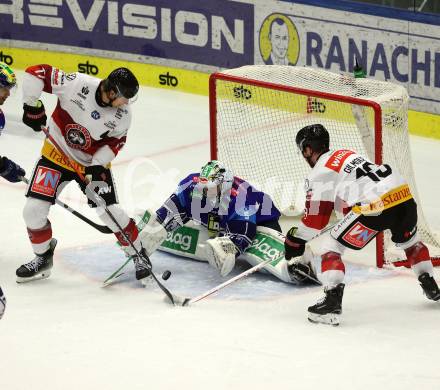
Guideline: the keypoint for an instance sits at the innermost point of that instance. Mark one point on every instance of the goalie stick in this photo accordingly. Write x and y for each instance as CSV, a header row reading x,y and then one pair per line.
x,y
100,228
101,202
188,301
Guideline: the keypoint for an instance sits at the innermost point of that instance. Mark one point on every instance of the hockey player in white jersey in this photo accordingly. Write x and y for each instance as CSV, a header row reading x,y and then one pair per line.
x,y
90,125
372,197
8,168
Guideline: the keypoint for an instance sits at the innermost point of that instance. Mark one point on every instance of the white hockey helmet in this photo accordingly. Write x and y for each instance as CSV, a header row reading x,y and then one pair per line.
x,y
215,179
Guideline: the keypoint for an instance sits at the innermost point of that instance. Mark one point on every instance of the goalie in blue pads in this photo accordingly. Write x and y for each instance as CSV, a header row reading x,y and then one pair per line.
x,y
217,217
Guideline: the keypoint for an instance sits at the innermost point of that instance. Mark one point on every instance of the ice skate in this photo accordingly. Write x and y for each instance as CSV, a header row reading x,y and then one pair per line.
x,y
329,309
142,265
429,286
39,267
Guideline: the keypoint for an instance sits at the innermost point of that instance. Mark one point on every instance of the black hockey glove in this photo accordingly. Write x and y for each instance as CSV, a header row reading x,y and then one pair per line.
x,y
34,117
96,173
293,246
10,170
96,176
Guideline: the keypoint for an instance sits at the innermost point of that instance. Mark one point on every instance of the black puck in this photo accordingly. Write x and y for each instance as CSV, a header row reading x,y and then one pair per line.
x,y
166,275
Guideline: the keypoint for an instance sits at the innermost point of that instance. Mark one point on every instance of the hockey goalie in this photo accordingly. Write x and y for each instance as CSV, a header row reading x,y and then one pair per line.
x,y
227,218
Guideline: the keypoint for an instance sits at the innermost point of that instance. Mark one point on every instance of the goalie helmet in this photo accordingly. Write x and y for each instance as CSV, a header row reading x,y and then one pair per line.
x,y
7,77
315,136
123,82
214,179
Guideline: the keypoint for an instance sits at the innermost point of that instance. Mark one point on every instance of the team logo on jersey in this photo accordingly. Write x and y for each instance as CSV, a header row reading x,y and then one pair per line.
x,y
95,115
336,160
359,235
45,181
70,76
77,137
85,90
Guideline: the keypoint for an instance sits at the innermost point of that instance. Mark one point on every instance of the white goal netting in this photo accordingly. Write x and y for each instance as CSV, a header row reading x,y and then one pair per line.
x,y
257,110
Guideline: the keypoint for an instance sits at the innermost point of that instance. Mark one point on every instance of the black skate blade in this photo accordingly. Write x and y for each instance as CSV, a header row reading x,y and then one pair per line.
x,y
41,275
326,319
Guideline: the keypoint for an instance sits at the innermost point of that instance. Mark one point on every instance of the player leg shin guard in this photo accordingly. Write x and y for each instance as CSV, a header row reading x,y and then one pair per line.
x,y
332,269
420,260
141,265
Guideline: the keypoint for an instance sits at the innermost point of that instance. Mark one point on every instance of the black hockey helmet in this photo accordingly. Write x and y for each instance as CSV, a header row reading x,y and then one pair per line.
x,y
315,136
123,82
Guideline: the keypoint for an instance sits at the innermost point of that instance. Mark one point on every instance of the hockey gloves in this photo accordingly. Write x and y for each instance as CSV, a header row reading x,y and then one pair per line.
x,y
96,173
10,170
293,246
96,176
34,116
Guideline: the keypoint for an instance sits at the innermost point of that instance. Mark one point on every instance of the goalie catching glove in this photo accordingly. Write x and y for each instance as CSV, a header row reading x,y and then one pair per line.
x,y
221,253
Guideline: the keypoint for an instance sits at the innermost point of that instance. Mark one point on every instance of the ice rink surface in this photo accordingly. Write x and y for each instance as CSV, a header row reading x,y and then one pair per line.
x,y
66,332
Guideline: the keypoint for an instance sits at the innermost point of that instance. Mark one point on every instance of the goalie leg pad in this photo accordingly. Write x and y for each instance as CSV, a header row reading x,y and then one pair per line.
x,y
152,235
221,253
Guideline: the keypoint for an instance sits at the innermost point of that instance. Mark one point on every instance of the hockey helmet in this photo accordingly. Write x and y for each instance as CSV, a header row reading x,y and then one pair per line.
x,y
315,136
214,179
123,82
7,76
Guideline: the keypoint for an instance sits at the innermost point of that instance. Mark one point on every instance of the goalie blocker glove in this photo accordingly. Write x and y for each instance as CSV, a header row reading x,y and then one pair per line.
x,y
34,116
293,246
10,170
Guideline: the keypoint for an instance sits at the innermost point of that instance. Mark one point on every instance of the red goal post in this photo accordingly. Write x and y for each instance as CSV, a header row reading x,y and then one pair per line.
x,y
255,112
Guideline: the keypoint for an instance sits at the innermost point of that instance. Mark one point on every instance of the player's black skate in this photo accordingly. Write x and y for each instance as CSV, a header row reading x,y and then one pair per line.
x,y
329,309
142,265
39,267
430,287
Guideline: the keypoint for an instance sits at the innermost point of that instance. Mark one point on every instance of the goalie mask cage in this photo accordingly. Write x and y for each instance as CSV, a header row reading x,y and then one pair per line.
x,y
256,111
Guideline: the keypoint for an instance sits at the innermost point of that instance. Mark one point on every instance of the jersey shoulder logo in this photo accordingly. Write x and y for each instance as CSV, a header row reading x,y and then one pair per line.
x,y
336,160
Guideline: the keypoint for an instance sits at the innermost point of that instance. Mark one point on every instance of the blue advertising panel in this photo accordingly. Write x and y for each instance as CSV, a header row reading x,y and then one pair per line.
x,y
218,33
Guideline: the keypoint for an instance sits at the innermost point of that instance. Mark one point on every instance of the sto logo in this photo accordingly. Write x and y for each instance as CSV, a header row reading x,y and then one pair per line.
x,y
359,235
46,181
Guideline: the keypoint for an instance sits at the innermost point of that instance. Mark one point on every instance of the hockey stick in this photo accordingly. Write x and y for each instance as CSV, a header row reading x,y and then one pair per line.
x,y
101,228
255,268
99,201
116,274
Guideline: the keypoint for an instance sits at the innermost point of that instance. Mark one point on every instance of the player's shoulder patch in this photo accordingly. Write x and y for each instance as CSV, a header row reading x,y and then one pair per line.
x,y
57,77
337,158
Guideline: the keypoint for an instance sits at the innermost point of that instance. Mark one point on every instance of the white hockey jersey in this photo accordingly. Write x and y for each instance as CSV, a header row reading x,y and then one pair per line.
x,y
343,180
87,133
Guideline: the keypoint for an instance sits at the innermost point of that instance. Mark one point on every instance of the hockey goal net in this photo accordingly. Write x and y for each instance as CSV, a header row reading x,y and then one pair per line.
x,y
256,111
